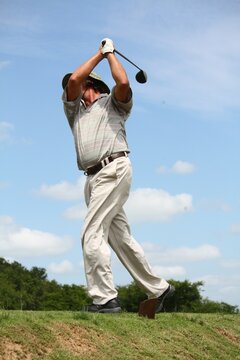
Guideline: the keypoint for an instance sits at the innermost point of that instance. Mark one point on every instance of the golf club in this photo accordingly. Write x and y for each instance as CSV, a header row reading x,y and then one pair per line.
x,y
141,76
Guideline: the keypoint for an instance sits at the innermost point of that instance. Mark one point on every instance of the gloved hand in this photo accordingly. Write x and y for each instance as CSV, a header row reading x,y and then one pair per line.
x,y
106,46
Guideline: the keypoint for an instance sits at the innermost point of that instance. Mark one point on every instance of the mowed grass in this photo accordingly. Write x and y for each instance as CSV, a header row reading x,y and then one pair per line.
x,y
77,335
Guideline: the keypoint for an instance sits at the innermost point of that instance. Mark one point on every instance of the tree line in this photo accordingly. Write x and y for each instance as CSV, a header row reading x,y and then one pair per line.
x,y
23,289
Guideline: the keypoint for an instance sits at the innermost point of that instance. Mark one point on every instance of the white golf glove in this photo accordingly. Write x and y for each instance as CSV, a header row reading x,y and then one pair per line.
x,y
106,46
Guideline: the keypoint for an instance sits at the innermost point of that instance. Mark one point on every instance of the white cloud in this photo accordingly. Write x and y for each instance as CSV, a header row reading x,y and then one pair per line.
x,y
63,190
21,241
213,280
204,252
180,167
6,129
183,167
169,271
221,281
7,134
77,212
157,254
156,205
222,287
60,268
143,205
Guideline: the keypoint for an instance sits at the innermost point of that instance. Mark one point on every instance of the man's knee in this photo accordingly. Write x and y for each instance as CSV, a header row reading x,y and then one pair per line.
x,y
95,248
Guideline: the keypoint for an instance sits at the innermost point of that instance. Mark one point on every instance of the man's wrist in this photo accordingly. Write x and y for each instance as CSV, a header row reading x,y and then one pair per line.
x,y
100,55
109,55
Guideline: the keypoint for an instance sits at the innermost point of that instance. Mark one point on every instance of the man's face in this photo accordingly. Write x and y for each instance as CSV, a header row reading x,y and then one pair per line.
x,y
89,92
86,88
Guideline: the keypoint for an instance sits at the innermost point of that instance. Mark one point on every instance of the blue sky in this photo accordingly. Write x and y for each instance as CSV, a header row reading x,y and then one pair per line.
x,y
183,133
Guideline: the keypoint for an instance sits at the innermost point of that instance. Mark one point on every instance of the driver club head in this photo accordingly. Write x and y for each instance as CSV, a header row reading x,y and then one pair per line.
x,y
141,77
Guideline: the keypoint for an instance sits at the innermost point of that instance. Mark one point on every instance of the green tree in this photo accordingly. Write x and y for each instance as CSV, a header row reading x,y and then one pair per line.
x,y
34,288
25,289
74,297
8,295
209,306
186,298
52,296
130,296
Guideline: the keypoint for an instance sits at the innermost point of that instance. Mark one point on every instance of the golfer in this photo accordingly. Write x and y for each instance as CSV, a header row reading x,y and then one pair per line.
x,y
97,118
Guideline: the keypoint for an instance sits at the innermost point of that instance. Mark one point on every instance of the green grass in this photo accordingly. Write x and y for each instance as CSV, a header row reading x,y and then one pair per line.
x,y
75,335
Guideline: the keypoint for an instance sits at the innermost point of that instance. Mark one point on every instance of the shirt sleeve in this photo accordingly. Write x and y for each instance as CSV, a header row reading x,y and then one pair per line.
x,y
122,106
71,108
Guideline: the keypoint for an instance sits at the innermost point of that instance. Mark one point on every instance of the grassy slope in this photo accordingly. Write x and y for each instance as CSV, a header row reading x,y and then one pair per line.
x,y
72,336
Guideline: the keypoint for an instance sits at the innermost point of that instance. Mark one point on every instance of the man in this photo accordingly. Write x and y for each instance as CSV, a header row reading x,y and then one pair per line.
x,y
97,119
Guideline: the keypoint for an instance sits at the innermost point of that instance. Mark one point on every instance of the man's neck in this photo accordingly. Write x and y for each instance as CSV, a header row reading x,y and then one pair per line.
x,y
92,96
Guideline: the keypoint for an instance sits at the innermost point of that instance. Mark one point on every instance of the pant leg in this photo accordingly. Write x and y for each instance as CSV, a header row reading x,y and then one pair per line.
x,y
132,257
105,195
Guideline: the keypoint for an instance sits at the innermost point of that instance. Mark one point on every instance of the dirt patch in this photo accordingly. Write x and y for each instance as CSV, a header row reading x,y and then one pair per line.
x,y
230,336
76,339
21,343
13,351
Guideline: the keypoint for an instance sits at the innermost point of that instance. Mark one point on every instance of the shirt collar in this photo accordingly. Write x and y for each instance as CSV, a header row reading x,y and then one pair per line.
x,y
103,95
99,97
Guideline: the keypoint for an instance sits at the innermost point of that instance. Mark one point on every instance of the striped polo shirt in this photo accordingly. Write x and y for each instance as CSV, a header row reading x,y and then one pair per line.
x,y
99,129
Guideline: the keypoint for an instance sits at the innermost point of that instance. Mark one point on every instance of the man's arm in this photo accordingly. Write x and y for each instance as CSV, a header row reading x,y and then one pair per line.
x,y
122,89
80,75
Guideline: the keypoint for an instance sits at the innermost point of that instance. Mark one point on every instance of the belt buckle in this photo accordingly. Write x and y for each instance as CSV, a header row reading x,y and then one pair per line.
x,y
106,161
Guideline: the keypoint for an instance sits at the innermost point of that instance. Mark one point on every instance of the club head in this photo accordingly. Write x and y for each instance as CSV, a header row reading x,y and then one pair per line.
x,y
141,77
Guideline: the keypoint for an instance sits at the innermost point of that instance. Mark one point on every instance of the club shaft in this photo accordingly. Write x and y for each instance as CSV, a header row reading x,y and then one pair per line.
x,y
116,51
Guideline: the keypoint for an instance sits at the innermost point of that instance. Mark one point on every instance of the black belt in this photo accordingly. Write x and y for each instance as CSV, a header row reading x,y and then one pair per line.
x,y
96,168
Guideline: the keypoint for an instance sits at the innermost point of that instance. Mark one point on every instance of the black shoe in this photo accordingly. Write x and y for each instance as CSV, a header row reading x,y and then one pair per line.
x,y
112,306
160,300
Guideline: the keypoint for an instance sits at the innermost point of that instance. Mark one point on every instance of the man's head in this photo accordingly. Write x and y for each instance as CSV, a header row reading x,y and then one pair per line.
x,y
93,80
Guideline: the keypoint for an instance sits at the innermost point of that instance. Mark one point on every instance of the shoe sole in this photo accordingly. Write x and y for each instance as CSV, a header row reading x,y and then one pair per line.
x,y
110,311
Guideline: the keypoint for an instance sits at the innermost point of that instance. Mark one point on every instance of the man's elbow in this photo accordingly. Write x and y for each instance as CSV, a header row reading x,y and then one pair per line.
x,y
124,82
73,81
123,92
123,85
73,88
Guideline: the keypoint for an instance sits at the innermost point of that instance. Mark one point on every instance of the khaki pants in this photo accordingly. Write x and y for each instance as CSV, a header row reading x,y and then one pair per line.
x,y
106,224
